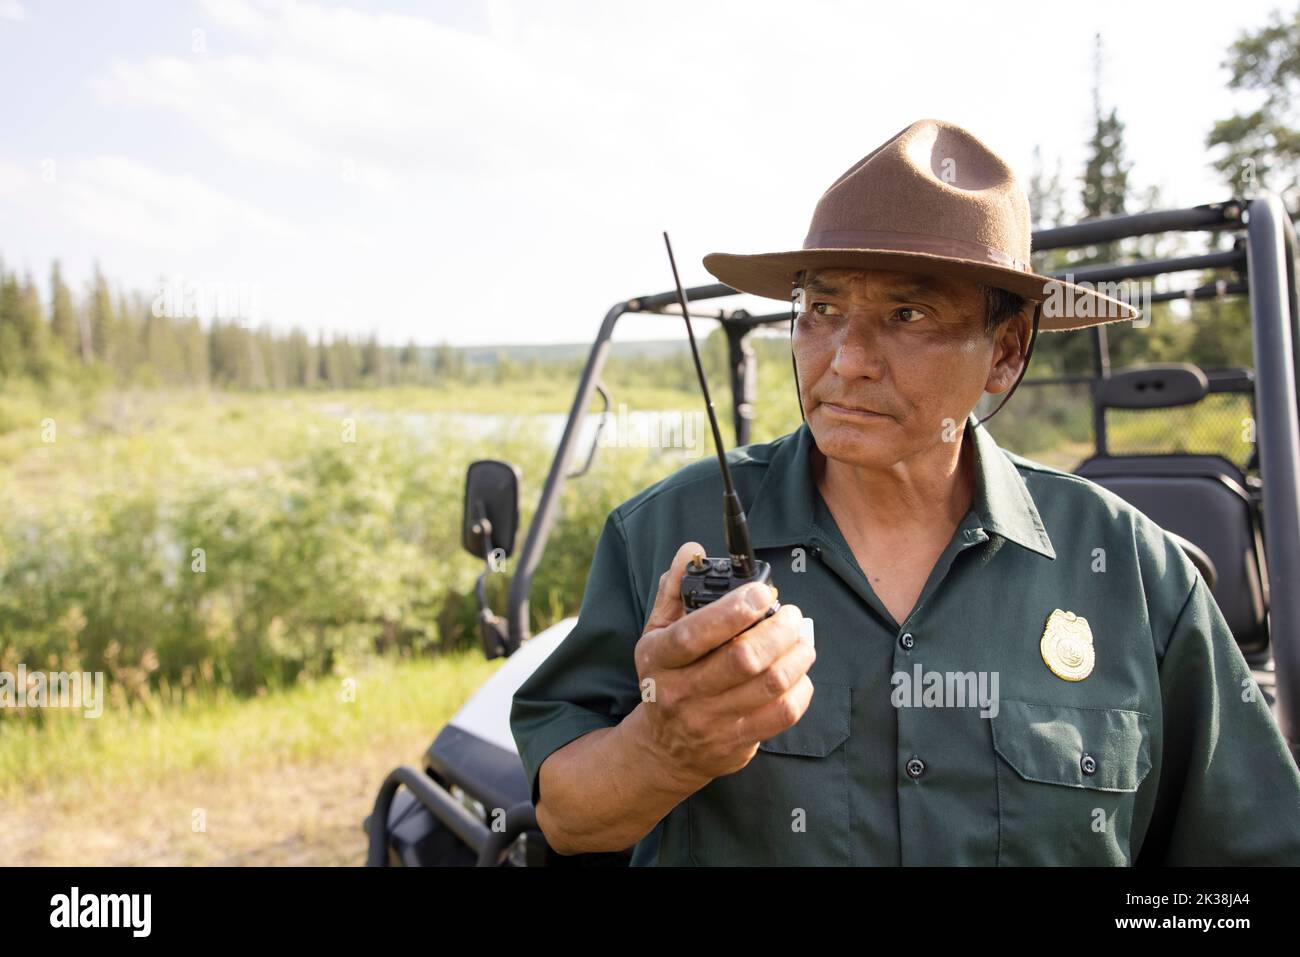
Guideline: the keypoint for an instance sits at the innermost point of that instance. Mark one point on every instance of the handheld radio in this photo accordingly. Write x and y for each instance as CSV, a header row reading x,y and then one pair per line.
x,y
708,579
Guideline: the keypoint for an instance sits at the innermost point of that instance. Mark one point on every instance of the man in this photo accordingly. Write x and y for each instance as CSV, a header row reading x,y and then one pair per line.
x,y
1011,665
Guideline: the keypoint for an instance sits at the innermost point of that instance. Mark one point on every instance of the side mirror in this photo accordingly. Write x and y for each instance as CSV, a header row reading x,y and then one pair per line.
x,y
491,515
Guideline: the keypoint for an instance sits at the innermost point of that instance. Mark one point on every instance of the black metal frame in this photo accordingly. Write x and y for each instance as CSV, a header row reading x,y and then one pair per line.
x,y
1267,257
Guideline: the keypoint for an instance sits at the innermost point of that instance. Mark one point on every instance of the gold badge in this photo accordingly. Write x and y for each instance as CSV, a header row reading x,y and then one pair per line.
x,y
1067,646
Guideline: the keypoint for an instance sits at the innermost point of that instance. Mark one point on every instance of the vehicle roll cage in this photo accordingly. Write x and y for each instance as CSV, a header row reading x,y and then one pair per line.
x,y
1265,253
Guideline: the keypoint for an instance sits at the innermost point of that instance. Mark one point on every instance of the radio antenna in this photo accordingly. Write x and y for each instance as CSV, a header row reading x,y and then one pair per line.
x,y
734,523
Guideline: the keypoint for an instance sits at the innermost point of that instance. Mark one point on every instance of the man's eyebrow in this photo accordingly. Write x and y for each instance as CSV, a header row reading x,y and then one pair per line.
x,y
817,285
921,286
912,289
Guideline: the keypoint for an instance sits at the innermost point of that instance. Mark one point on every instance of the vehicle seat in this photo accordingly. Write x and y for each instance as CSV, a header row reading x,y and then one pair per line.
x,y
1202,498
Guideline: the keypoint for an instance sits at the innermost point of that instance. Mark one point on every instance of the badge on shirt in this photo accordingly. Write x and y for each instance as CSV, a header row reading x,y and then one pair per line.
x,y
1067,646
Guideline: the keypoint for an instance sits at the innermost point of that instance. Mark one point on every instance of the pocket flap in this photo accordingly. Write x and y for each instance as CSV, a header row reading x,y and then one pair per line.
x,y
821,729
1048,743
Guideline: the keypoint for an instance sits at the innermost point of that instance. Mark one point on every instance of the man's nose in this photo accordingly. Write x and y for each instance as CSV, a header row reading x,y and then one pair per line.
x,y
857,354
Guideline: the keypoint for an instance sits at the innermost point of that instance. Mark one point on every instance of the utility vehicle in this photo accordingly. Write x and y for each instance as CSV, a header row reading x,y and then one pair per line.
x,y
1239,516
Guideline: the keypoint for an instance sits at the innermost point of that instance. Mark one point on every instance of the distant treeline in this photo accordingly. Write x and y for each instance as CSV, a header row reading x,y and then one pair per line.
x,y
122,339
103,338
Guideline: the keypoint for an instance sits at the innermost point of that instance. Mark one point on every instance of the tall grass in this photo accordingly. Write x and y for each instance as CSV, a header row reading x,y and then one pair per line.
x,y
147,742
195,541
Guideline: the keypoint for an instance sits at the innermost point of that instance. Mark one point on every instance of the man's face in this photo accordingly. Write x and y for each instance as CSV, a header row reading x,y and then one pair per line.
x,y
891,364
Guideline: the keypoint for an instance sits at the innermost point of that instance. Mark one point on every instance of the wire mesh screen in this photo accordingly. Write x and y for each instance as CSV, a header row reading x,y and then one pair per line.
x,y
1048,422
1219,424
1052,423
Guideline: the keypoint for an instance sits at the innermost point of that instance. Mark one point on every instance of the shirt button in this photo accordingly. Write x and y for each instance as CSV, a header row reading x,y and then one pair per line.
x,y
907,641
816,551
1088,764
915,768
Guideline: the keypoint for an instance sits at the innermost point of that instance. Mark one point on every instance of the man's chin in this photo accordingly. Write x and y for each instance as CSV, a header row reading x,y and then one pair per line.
x,y
872,442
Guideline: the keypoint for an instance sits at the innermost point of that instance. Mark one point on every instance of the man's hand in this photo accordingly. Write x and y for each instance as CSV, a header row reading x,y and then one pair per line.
x,y
709,693
708,698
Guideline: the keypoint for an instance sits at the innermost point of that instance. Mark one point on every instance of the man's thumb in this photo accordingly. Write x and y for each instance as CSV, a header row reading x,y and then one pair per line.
x,y
668,602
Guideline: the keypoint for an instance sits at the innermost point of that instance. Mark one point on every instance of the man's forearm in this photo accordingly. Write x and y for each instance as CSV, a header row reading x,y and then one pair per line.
x,y
608,789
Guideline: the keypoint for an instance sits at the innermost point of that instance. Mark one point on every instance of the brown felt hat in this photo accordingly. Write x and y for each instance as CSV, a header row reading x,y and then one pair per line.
x,y
932,199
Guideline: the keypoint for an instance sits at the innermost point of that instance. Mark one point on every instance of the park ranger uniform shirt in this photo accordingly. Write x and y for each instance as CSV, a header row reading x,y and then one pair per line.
x,y
947,738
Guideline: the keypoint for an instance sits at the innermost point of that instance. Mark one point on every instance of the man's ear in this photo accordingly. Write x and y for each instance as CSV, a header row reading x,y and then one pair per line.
x,y
1010,345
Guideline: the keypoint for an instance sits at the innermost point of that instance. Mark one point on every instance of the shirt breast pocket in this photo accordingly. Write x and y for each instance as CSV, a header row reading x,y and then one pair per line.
x,y
1067,782
790,804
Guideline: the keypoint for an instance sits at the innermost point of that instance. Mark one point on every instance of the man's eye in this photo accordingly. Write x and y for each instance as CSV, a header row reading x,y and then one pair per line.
x,y
909,315
822,308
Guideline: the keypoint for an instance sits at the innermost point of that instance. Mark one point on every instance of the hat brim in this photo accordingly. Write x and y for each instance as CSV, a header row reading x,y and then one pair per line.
x,y
1065,305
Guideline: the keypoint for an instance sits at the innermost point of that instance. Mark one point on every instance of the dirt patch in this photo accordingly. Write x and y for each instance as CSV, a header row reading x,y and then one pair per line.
x,y
294,814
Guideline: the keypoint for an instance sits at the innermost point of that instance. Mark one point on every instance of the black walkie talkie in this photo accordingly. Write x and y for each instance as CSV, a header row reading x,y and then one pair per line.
x,y
708,579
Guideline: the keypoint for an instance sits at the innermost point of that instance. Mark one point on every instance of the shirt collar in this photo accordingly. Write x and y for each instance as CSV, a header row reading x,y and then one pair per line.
x,y
783,510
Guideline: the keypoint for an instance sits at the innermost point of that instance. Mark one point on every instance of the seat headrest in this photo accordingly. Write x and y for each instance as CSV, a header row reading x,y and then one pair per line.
x,y
1155,386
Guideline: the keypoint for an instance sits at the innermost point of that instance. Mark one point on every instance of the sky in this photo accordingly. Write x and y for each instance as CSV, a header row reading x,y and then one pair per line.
x,y
486,172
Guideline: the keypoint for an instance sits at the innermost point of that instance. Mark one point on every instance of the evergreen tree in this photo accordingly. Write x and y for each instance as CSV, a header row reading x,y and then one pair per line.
x,y
103,322
12,359
259,368
127,351
1046,195
408,363
344,363
1104,193
64,322
448,363
323,360
194,351
1262,145
374,362
1105,174
33,332
163,354
302,365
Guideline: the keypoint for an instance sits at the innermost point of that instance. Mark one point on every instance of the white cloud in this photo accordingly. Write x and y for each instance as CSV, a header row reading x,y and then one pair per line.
x,y
386,91
12,10
120,198
372,164
15,181
142,222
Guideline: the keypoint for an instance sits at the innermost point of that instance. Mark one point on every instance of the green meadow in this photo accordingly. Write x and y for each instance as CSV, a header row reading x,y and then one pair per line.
x,y
274,587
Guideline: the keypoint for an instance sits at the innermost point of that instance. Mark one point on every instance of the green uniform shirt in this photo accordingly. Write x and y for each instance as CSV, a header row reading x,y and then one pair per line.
x,y
1165,753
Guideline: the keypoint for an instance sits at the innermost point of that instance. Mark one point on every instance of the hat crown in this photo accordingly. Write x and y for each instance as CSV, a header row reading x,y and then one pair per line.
x,y
931,180
932,200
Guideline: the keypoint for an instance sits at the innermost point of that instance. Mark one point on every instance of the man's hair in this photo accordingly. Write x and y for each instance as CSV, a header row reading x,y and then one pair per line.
x,y
999,306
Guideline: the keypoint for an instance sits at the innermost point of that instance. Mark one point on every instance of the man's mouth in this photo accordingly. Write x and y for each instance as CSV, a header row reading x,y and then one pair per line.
x,y
852,411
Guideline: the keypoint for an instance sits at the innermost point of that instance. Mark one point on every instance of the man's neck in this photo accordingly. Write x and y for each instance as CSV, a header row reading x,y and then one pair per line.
x,y
928,493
